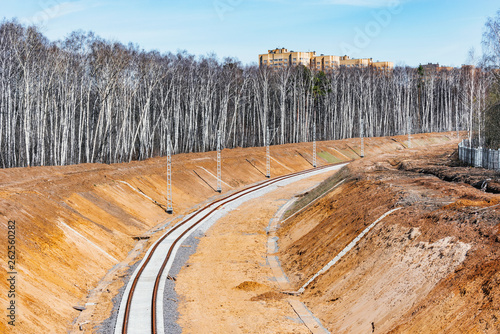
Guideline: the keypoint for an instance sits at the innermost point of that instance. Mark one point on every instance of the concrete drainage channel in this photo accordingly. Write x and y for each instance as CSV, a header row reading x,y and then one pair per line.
x,y
345,250
307,317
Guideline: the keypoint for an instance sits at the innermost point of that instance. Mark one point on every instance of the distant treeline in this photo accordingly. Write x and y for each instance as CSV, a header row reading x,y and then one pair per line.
x,y
85,99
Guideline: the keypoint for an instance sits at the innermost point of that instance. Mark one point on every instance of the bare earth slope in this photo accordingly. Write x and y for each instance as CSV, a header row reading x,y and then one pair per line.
x,y
75,223
431,267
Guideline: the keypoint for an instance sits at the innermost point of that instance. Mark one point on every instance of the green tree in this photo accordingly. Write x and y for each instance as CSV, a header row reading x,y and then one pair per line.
x,y
492,128
491,62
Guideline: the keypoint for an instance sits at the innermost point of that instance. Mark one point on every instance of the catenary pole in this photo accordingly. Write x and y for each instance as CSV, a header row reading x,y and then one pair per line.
x,y
314,146
170,208
268,154
219,172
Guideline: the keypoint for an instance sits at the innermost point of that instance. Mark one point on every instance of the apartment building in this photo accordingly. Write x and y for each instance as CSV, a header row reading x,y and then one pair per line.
x,y
382,65
281,57
325,63
435,68
365,62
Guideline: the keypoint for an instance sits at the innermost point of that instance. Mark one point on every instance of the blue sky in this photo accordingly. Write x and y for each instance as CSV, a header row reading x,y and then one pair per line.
x,y
403,31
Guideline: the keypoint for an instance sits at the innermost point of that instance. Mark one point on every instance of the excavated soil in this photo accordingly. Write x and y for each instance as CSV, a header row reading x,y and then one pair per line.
x,y
430,267
79,228
226,285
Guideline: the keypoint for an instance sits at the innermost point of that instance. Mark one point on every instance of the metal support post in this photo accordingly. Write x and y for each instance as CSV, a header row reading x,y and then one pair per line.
x,y
314,146
268,155
170,209
219,180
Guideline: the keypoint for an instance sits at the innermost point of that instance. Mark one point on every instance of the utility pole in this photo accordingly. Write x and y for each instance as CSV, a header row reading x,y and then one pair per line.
x,y
361,125
268,155
170,209
219,180
314,145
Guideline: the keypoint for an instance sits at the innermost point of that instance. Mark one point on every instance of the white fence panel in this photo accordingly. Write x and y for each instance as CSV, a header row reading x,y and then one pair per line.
x,y
478,157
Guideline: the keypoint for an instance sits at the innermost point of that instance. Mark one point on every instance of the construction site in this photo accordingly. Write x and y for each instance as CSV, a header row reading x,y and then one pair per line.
x,y
403,240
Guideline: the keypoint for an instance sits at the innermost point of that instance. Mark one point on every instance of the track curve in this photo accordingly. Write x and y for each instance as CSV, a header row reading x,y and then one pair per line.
x,y
146,281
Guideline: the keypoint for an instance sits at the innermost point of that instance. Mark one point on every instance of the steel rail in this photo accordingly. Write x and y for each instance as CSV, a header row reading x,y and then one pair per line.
x,y
227,199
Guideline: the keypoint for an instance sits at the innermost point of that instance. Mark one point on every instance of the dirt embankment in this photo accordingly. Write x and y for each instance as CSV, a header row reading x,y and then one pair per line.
x,y
431,267
75,223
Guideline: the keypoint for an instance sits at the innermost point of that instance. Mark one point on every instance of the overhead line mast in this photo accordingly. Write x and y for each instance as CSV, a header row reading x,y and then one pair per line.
x,y
219,171
314,146
268,155
170,209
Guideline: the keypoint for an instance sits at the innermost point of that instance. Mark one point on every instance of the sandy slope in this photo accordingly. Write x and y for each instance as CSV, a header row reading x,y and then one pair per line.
x,y
75,223
431,267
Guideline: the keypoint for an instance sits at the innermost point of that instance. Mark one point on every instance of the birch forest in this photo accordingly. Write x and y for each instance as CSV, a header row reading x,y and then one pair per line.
x,y
85,100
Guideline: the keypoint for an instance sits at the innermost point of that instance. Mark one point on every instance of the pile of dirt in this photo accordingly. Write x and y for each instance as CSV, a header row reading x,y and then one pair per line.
x,y
268,296
448,168
432,266
250,286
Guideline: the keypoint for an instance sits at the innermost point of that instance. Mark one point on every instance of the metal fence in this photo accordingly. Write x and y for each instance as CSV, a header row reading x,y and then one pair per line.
x,y
478,157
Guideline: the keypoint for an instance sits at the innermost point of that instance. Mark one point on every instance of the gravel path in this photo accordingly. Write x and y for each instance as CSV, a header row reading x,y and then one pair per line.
x,y
171,298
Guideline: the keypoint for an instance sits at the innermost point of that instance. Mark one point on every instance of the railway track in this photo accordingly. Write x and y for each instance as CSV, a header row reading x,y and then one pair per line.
x,y
141,308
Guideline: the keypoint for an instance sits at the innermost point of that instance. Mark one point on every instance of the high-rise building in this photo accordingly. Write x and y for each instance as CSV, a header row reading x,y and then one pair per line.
x,y
277,58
